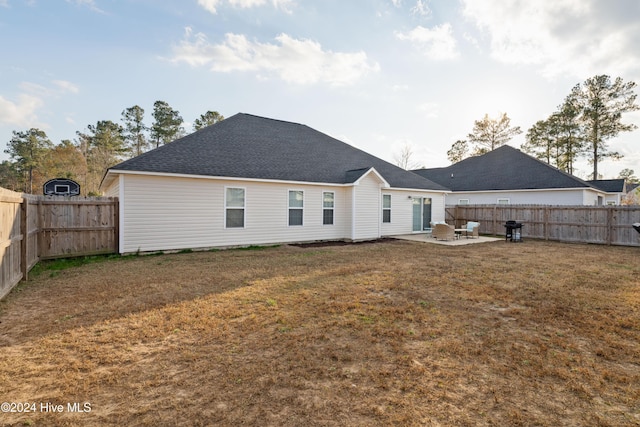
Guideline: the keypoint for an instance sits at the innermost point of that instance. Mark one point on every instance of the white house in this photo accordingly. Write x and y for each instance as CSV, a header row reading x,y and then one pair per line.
x,y
614,189
508,176
251,180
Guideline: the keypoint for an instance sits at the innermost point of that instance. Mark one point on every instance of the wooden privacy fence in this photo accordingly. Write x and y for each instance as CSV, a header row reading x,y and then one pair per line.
x,y
33,228
609,225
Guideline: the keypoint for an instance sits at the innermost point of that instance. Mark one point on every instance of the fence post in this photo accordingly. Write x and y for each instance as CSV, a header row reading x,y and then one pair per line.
x,y
39,226
609,225
116,223
547,214
24,231
495,220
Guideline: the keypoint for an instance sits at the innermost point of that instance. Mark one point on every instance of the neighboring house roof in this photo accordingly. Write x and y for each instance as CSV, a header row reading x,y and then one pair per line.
x,y
631,186
608,185
505,168
248,146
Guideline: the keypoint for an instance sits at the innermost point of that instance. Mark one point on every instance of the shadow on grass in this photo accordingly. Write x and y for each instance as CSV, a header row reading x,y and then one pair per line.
x,y
69,293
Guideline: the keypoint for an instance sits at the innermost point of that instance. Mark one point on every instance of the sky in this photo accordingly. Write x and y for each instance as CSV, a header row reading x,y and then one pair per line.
x,y
380,75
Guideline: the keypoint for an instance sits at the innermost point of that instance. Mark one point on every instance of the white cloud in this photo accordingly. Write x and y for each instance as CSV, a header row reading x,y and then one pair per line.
x,y
21,113
421,8
61,87
66,86
212,5
299,61
436,43
209,5
575,37
472,40
35,89
91,4
431,110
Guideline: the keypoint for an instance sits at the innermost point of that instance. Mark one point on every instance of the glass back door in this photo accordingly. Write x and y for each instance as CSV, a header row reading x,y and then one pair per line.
x,y
421,213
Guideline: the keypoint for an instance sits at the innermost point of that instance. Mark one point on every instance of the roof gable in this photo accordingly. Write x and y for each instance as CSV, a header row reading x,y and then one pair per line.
x,y
366,172
247,146
505,168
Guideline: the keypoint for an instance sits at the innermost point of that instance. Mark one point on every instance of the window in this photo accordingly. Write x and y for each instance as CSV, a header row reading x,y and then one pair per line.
x,y
327,207
503,201
386,208
463,201
234,208
296,207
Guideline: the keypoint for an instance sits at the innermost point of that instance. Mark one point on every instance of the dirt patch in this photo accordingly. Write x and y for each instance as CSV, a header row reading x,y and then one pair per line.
x,y
330,243
387,333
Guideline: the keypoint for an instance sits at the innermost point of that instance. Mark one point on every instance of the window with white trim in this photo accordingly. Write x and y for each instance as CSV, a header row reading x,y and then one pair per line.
x,y
234,207
386,208
463,201
328,204
296,207
504,201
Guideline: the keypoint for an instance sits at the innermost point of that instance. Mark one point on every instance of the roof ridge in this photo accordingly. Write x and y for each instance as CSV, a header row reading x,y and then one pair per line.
x,y
270,118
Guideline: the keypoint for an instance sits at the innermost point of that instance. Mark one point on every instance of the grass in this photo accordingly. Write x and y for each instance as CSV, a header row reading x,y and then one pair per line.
x,y
392,333
66,263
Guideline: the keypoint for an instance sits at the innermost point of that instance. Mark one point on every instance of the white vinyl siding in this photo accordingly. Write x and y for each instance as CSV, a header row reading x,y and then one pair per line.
x,y
171,213
367,214
575,196
113,190
402,210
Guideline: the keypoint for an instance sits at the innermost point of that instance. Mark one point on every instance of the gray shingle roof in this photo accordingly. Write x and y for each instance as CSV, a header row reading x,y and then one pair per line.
x,y
505,168
248,146
609,185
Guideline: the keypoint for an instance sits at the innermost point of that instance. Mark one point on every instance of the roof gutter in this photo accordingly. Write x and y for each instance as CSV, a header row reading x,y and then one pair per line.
x,y
109,176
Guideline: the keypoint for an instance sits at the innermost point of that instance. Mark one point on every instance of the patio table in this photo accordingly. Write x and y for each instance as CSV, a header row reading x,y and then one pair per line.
x,y
459,232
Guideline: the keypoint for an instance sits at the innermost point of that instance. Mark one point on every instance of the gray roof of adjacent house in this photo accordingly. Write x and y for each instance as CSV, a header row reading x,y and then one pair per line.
x,y
630,186
248,146
609,185
505,168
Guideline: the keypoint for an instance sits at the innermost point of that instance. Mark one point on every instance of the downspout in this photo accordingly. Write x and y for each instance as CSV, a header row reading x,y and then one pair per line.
x,y
353,212
380,211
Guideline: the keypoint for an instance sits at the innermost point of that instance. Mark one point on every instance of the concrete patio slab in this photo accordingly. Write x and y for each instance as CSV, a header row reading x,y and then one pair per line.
x,y
426,238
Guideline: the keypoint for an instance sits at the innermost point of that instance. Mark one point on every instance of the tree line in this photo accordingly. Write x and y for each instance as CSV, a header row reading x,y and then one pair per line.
x,y
34,159
589,117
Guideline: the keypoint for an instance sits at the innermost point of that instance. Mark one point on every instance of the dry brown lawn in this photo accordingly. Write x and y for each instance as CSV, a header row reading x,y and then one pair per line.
x,y
387,333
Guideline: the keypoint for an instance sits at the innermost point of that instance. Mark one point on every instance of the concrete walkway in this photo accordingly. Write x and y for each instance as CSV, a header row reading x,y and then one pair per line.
x,y
426,238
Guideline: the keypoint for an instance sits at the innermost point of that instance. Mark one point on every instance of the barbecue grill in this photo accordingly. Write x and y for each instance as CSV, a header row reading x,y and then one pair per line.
x,y
636,226
513,231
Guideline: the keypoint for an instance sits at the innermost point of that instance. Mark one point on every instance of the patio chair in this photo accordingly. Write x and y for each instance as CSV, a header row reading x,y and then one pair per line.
x,y
472,229
443,232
